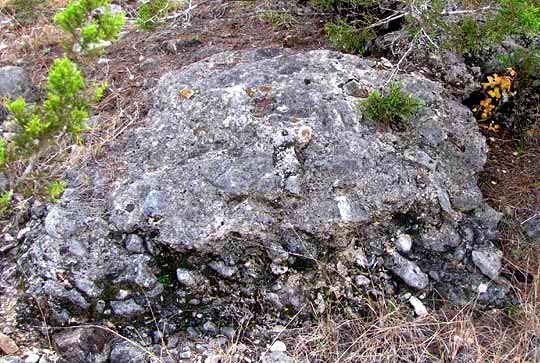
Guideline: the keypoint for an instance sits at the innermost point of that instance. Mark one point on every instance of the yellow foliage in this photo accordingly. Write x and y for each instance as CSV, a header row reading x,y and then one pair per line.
x,y
495,88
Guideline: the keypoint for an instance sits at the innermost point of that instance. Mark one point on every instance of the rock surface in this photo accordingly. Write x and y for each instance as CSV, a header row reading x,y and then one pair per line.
x,y
532,227
14,82
262,182
83,345
128,353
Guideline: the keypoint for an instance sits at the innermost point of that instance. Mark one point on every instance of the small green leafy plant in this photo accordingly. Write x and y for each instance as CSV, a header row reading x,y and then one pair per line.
x,y
348,37
150,14
165,279
527,62
465,36
513,17
55,189
277,19
89,22
336,4
393,106
37,127
5,199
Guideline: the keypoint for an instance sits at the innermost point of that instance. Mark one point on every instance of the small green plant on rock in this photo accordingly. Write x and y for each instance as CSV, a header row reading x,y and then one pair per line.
x,y
465,36
165,279
5,199
89,22
55,189
393,106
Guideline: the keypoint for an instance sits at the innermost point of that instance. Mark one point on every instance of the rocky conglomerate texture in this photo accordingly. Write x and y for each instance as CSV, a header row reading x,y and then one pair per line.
x,y
265,190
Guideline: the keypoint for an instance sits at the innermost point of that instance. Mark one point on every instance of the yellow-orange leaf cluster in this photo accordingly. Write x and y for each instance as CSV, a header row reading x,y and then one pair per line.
x,y
495,88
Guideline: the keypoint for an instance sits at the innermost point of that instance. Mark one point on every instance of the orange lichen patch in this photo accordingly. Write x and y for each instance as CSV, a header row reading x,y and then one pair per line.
x,y
186,93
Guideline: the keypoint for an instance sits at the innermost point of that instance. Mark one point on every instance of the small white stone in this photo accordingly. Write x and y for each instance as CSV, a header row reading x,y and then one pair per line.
x,y
304,134
344,208
214,358
31,358
483,287
361,280
404,243
419,307
122,294
278,346
278,269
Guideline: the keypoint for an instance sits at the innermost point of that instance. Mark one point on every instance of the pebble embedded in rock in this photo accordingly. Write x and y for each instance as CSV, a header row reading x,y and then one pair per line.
x,y
83,345
277,253
361,280
8,345
222,269
278,346
154,203
185,354
88,287
404,243
278,269
213,358
419,307
127,353
210,328
134,243
122,294
127,308
408,271
187,277
32,358
488,261
277,357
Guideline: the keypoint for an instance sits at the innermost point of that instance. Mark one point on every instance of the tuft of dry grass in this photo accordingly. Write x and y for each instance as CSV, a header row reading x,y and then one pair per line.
x,y
452,334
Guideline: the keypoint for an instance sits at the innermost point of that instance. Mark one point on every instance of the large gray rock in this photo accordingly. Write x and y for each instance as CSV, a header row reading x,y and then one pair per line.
x,y
264,188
